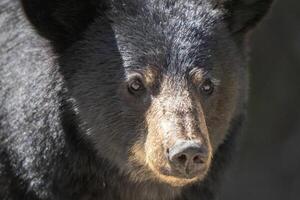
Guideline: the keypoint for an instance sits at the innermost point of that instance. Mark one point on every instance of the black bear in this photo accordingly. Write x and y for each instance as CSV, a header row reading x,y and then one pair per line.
x,y
126,99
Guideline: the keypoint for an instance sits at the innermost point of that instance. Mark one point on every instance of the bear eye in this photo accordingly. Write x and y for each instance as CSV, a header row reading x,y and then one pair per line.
x,y
135,86
207,87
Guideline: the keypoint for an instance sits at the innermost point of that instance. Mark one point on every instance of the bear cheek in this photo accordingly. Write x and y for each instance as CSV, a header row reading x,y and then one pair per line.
x,y
221,112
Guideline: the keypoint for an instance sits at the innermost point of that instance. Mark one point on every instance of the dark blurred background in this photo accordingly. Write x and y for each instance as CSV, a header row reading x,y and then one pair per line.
x,y
267,163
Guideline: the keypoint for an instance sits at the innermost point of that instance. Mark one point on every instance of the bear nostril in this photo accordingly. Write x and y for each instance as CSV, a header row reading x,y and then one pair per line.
x,y
182,159
197,159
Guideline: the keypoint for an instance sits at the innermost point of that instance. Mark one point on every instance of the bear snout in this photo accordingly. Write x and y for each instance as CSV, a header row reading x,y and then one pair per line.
x,y
188,158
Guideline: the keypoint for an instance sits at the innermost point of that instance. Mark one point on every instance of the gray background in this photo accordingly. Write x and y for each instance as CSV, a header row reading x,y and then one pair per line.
x,y
267,164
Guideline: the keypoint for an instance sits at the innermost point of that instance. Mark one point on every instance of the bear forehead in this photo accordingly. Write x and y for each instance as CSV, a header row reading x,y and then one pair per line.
x,y
158,19
156,34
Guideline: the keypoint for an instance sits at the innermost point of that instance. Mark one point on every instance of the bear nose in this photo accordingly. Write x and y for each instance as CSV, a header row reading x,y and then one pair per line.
x,y
188,158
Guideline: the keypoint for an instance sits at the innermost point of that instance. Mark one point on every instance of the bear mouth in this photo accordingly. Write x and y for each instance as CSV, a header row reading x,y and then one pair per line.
x,y
175,178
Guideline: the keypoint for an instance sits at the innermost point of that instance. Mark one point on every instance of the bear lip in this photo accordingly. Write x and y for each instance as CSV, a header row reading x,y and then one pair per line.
x,y
177,174
175,179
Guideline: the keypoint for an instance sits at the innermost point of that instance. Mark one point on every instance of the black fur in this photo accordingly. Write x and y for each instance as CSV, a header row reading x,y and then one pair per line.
x,y
50,129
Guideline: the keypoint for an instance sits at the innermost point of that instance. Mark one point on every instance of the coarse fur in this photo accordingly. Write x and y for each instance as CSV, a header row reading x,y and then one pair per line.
x,y
69,128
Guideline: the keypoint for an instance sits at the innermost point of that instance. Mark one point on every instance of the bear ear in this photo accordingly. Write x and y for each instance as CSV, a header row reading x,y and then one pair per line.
x,y
61,21
243,15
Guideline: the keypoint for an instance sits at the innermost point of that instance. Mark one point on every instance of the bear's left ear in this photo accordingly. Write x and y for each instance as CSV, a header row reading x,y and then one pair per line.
x,y
62,21
243,15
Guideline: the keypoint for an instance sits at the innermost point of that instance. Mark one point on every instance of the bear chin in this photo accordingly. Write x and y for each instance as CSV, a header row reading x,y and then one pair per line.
x,y
147,173
177,181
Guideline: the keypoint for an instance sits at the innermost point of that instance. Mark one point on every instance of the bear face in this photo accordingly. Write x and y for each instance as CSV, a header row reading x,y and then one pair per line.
x,y
162,92
155,83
